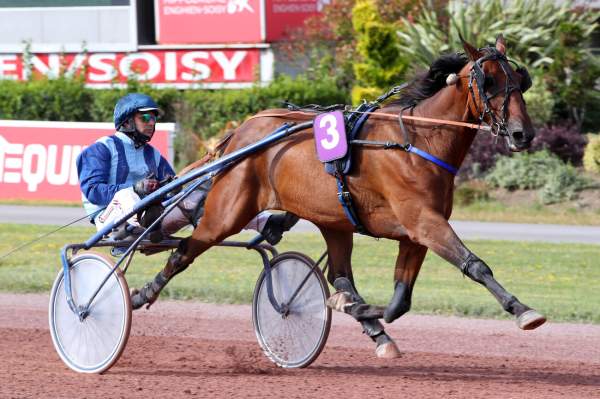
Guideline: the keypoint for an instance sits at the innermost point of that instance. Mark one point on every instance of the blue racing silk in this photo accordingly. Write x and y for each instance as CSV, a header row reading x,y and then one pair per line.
x,y
113,163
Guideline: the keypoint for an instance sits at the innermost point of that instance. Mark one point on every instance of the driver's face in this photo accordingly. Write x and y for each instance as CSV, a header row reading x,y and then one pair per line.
x,y
145,122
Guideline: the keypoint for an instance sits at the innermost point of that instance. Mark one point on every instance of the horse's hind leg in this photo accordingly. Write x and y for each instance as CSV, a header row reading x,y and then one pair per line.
x,y
434,231
226,213
339,248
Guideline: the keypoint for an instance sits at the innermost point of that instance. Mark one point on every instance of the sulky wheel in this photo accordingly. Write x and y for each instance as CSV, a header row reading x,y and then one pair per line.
x,y
294,339
94,344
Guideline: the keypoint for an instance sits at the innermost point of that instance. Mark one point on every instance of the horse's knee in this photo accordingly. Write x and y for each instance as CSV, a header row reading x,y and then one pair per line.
x,y
399,304
476,269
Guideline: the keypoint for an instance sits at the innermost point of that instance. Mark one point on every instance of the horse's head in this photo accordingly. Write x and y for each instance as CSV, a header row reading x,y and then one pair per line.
x,y
496,94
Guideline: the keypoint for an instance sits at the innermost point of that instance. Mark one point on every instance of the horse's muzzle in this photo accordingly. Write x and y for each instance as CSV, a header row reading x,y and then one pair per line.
x,y
519,138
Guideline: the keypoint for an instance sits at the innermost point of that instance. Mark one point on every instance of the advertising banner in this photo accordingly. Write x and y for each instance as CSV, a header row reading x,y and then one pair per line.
x,y
208,21
37,159
284,15
176,68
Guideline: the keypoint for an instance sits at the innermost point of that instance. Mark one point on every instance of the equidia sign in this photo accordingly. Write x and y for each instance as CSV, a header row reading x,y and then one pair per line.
x,y
37,159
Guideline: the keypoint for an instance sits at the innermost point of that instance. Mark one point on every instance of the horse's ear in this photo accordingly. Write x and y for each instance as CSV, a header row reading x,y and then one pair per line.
x,y
471,51
501,44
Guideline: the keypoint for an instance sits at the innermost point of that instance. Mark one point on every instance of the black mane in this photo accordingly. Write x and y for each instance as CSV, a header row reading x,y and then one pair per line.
x,y
427,84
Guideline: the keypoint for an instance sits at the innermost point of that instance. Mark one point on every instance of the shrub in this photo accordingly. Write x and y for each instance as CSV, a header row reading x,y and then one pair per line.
x,y
482,155
591,159
565,141
540,102
561,185
471,192
540,170
380,64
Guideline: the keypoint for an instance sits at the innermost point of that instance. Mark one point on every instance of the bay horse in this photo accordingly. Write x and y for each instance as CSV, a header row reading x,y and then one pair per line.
x,y
397,195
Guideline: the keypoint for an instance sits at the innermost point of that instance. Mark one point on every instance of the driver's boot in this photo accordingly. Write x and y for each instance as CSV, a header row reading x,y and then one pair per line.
x,y
277,225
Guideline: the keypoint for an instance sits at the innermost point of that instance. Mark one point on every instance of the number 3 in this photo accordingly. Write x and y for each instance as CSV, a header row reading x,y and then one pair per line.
x,y
330,122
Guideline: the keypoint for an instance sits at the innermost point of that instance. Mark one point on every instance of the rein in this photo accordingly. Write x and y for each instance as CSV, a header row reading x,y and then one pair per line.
x,y
383,115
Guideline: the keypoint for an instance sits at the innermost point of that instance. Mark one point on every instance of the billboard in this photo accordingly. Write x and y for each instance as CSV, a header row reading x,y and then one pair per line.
x,y
208,21
179,68
37,159
284,15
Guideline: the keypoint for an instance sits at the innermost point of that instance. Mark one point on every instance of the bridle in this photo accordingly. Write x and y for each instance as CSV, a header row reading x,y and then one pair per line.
x,y
498,125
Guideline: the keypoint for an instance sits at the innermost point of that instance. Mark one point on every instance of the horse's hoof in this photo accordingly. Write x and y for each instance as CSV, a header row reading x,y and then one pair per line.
x,y
139,299
339,301
387,350
530,320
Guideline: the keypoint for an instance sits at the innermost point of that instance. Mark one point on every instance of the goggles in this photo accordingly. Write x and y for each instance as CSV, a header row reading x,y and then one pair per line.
x,y
147,117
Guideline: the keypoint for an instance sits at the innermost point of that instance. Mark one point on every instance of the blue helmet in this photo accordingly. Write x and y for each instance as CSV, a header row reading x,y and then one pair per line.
x,y
130,104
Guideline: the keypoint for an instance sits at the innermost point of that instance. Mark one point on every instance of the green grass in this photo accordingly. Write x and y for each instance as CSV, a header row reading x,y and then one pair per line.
x,y
495,211
559,280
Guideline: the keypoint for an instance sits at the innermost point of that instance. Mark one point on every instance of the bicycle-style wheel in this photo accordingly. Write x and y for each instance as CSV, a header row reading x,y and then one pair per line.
x,y
94,344
296,339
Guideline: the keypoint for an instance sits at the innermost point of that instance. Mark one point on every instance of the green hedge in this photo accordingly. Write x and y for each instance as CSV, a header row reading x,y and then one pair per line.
x,y
200,113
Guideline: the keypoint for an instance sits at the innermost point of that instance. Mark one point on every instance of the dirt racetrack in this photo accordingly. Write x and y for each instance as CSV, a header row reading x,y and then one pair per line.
x,y
187,349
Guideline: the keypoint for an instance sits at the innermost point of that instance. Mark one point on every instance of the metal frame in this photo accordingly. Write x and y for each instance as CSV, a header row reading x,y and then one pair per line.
x,y
196,178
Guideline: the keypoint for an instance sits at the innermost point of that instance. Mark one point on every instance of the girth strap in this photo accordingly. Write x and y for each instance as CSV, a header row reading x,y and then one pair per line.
x,y
345,199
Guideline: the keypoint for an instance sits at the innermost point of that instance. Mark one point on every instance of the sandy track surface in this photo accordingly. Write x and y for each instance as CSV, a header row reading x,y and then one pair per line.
x,y
189,349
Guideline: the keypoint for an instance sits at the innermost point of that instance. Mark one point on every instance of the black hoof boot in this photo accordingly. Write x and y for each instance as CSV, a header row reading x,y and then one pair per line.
x,y
149,293
277,225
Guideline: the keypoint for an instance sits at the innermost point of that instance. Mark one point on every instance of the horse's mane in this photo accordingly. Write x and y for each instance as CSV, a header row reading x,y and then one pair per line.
x,y
428,83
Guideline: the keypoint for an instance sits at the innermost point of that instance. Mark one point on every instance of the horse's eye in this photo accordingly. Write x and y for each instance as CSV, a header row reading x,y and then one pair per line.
x,y
488,83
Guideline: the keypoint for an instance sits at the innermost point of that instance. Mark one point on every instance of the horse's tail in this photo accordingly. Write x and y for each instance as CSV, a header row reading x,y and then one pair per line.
x,y
210,155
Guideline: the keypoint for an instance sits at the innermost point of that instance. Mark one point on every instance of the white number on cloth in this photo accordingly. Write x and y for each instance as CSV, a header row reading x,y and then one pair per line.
x,y
329,122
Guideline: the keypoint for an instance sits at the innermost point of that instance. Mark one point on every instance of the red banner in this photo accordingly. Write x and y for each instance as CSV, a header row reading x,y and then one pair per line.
x,y
37,159
208,21
284,15
162,67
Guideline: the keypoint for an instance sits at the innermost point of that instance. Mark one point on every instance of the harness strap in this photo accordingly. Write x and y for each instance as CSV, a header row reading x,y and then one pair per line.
x,y
412,149
392,145
345,198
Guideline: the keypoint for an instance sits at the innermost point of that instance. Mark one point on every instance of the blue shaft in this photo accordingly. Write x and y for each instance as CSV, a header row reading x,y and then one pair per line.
x,y
218,165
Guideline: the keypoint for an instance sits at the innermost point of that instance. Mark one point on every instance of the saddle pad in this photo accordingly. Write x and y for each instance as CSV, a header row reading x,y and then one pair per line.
x,y
354,122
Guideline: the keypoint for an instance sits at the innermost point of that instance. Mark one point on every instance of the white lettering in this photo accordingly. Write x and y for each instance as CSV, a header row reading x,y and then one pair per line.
x,y
152,62
229,66
8,64
52,70
157,66
75,65
61,177
170,66
7,148
34,164
295,8
33,177
105,63
189,61
74,177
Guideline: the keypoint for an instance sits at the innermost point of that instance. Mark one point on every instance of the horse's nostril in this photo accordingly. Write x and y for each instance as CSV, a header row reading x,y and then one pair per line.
x,y
518,136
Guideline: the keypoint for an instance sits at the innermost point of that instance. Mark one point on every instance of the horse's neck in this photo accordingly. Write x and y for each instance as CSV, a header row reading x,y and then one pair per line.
x,y
450,143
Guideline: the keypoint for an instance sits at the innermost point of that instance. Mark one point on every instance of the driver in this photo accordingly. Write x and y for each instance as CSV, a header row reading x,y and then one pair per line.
x,y
117,171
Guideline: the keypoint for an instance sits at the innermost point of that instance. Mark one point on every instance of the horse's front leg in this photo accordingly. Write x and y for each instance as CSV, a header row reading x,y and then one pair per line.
x,y
346,297
432,230
408,263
